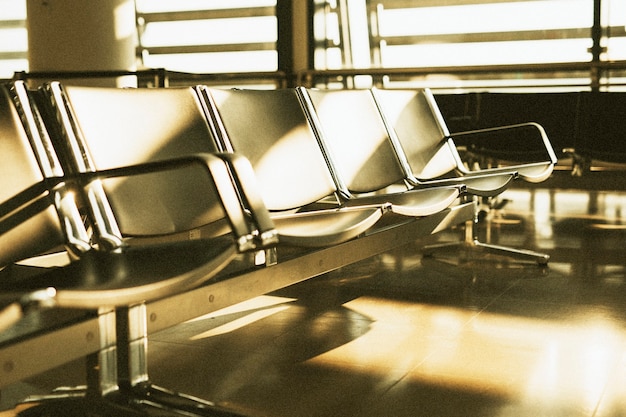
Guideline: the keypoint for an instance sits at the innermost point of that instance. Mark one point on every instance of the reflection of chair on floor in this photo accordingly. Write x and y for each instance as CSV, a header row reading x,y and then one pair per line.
x,y
118,276
272,129
418,129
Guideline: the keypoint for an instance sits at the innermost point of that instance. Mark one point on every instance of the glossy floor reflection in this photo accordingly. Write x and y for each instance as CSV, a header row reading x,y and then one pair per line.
x,y
403,335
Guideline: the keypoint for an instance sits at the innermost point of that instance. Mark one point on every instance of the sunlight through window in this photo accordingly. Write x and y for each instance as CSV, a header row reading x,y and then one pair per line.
x,y
13,37
220,37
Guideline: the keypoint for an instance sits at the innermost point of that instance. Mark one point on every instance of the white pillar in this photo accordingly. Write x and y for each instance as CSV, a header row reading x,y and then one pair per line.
x,y
81,35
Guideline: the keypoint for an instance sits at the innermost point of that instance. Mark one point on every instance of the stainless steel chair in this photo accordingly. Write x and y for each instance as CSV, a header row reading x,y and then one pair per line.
x,y
38,211
270,129
432,150
417,127
350,121
275,131
162,225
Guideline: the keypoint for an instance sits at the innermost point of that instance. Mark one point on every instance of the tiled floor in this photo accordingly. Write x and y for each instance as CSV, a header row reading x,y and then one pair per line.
x,y
403,335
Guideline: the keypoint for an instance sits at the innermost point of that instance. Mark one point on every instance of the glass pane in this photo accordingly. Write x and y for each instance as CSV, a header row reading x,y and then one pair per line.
x,y
228,32
615,12
12,10
462,33
8,67
13,38
221,62
483,53
487,18
614,19
211,32
155,6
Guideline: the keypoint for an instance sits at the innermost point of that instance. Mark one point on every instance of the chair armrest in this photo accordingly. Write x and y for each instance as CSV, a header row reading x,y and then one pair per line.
x,y
243,175
28,195
542,146
26,203
220,175
39,197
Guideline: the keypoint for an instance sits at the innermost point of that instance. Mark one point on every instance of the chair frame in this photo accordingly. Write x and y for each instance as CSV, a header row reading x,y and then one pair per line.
x,y
300,223
118,381
411,202
92,282
470,241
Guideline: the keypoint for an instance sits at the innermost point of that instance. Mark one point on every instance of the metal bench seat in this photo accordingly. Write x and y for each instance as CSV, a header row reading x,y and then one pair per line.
x,y
414,117
275,131
102,206
419,132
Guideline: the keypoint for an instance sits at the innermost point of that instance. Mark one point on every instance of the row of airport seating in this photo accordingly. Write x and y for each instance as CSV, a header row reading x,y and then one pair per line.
x,y
149,194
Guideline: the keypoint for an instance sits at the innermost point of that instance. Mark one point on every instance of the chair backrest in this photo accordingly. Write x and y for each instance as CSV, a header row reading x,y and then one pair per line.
x,y
107,128
414,117
356,139
37,209
271,129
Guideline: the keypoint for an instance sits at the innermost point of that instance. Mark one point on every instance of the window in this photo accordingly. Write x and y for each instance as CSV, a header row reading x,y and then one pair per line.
x,y
502,41
196,36
224,37
456,45
484,34
13,38
614,42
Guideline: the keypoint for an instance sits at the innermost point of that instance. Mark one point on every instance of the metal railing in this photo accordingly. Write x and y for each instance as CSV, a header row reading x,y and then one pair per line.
x,y
161,77
574,76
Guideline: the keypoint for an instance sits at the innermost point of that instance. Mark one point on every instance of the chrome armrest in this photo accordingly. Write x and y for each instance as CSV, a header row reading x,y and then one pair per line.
x,y
220,175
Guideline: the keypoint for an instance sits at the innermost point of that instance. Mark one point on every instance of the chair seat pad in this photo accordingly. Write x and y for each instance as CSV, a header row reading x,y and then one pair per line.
x,y
325,227
415,202
487,185
135,275
536,172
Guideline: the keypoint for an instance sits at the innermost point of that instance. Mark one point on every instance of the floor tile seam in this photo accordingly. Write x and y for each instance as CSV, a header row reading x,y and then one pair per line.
x,y
372,402
485,308
613,375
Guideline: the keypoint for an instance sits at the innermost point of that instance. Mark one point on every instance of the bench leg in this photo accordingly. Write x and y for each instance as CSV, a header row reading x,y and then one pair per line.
x,y
470,245
135,387
117,380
